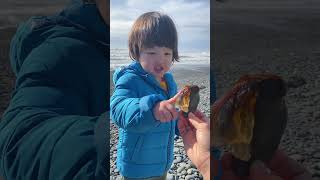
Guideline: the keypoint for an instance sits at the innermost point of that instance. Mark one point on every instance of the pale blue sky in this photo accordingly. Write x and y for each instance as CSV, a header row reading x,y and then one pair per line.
x,y
192,19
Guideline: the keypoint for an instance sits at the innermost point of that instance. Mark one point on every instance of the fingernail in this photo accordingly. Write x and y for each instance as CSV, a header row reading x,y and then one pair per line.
x,y
259,165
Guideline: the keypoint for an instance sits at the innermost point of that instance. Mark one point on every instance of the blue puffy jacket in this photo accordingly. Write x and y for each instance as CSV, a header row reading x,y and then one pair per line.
x,y
55,127
145,146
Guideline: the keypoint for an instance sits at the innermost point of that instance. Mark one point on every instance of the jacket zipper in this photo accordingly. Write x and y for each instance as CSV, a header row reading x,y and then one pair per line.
x,y
169,140
167,94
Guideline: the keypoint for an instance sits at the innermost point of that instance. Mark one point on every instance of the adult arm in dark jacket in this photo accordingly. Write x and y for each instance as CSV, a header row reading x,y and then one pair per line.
x,y
56,124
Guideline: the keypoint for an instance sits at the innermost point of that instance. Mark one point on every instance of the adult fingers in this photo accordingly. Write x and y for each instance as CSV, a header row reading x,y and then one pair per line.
x,y
258,170
183,125
286,167
226,161
196,122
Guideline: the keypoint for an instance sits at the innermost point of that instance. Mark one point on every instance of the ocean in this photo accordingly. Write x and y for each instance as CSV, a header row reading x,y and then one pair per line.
x,y
120,57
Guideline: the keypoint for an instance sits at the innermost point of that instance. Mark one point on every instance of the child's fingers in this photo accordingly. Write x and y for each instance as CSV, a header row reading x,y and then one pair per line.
x,y
173,111
175,98
167,115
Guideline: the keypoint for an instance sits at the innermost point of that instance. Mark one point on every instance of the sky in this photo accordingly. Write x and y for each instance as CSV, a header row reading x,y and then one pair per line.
x,y
192,19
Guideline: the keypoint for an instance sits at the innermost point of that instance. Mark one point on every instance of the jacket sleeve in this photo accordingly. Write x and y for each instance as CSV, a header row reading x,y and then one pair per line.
x,y
39,144
128,110
47,132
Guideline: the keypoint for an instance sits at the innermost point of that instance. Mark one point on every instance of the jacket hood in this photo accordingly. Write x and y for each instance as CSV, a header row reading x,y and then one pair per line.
x,y
136,68
77,14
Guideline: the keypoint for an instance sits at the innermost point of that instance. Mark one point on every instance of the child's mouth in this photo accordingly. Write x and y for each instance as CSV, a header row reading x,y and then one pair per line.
x,y
158,69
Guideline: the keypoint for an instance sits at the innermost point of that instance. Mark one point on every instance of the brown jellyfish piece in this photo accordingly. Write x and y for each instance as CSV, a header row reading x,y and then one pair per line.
x,y
189,100
250,119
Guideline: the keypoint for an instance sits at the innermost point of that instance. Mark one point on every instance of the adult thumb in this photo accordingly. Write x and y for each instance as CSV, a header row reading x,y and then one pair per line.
x,y
195,121
258,170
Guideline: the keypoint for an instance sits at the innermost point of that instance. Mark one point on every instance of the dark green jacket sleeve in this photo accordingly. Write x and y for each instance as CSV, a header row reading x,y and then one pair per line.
x,y
38,144
56,124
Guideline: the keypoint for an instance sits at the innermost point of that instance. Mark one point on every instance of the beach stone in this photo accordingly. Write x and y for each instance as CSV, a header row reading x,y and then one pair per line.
x,y
317,166
178,159
184,172
172,166
179,144
116,170
180,169
188,166
317,155
170,177
191,171
183,164
297,157
190,177
176,150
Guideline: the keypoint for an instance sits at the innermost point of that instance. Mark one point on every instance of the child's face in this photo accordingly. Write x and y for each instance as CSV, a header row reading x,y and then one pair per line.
x,y
156,60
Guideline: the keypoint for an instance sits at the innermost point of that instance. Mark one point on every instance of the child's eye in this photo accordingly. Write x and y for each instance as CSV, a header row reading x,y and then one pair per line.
x,y
167,54
150,52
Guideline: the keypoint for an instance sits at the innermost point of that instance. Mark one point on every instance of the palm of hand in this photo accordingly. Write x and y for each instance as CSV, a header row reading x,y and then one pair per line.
x,y
196,140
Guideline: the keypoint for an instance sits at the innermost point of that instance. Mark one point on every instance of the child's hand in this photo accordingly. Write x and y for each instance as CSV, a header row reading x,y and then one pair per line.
x,y
165,111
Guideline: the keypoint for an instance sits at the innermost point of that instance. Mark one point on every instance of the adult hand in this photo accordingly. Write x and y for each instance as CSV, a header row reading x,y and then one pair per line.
x,y
281,167
195,132
165,111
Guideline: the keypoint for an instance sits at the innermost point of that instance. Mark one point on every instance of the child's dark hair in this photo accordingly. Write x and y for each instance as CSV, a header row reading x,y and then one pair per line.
x,y
153,29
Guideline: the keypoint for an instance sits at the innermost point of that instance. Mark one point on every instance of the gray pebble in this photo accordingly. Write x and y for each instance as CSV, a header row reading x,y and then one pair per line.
x,y
191,171
189,177
183,164
184,172
116,170
177,160
297,157
317,155
176,150
180,169
170,177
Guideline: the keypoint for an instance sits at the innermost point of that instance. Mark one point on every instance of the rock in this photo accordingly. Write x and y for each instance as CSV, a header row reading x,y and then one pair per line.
x,y
176,150
189,177
170,177
180,169
179,144
183,164
297,157
317,166
316,155
177,160
191,171
295,81
116,170
172,166
184,172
